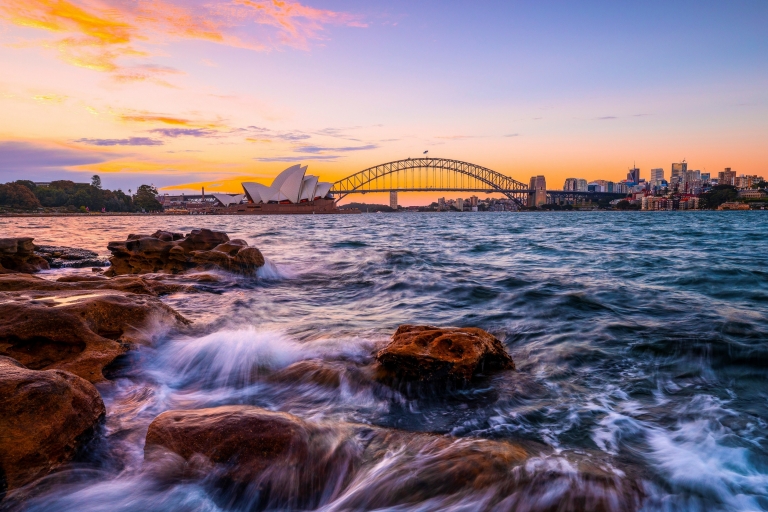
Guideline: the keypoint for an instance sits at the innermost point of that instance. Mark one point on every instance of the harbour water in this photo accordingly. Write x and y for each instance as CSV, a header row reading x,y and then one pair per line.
x,y
640,340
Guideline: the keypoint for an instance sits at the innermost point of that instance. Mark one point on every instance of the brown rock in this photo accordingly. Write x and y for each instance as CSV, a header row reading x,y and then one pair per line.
x,y
131,284
201,249
426,353
292,461
46,416
18,255
78,331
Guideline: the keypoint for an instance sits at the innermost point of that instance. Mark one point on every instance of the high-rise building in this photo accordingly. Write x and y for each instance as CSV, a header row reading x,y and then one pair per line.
x,y
441,204
473,201
726,177
571,185
538,194
581,185
393,200
657,176
705,176
634,175
460,204
678,170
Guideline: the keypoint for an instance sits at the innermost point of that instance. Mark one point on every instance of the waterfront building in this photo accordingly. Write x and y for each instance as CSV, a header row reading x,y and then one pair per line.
x,y
581,185
441,204
228,199
292,186
538,196
570,185
393,199
460,204
752,194
657,175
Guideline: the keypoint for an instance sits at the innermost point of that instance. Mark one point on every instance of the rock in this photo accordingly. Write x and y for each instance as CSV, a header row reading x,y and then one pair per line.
x,y
311,371
201,249
78,331
426,353
70,257
46,416
17,255
131,284
291,462
259,459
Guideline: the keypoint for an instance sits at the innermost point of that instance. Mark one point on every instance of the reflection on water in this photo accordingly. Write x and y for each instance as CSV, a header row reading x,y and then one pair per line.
x,y
640,342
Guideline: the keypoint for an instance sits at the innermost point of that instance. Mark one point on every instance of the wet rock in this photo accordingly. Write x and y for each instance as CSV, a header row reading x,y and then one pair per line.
x,y
17,255
264,459
78,331
277,458
70,257
131,284
201,249
46,416
429,354
311,371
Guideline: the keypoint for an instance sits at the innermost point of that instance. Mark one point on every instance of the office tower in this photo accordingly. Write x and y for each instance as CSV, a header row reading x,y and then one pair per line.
x,y
726,177
657,176
538,194
705,176
571,185
393,200
678,170
634,175
473,201
441,204
460,204
581,185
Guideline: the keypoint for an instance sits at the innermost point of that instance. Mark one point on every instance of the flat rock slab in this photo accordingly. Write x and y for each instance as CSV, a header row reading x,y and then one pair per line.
x,y
427,353
80,331
46,416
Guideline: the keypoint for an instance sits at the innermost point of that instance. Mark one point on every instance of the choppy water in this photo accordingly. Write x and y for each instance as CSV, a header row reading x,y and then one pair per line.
x,y
640,340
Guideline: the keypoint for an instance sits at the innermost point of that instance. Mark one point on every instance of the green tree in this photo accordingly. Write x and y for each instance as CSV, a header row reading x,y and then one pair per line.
x,y
96,181
18,196
29,184
718,195
623,205
146,198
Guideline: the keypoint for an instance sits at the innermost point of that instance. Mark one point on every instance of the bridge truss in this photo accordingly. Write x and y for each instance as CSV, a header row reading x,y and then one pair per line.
x,y
430,175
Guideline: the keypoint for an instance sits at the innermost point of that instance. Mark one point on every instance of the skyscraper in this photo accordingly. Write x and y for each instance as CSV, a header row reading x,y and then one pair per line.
x,y
679,170
634,175
657,175
393,200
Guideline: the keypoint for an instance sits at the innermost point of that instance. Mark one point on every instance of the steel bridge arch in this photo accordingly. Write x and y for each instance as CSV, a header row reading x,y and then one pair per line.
x,y
496,182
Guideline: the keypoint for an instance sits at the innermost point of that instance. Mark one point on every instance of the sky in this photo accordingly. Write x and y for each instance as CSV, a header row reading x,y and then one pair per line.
x,y
190,93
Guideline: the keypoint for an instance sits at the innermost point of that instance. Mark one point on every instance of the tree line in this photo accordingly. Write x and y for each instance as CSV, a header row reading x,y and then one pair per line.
x,y
25,195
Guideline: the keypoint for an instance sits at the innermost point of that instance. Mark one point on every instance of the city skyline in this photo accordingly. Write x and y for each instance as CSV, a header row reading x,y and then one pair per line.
x,y
191,94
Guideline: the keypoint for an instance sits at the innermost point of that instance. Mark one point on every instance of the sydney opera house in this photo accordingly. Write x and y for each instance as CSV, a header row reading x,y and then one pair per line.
x,y
292,191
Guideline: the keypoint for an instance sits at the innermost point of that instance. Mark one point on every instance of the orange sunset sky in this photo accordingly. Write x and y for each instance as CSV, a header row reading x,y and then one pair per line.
x,y
184,94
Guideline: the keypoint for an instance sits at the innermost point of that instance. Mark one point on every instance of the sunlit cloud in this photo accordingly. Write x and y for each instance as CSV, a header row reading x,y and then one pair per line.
x,y
98,35
323,149
296,158
50,98
131,141
183,132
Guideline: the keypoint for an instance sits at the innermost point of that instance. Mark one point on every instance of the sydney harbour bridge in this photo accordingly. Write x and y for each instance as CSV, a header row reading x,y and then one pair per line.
x,y
445,175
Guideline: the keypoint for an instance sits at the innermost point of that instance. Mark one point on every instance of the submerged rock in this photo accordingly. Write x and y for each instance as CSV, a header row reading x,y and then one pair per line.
x,y
70,257
201,249
78,331
18,255
429,354
46,416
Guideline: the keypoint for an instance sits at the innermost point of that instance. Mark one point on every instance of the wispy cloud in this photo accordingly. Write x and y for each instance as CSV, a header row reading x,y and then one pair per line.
x,y
50,98
131,141
512,135
296,158
184,132
20,157
606,118
260,133
323,149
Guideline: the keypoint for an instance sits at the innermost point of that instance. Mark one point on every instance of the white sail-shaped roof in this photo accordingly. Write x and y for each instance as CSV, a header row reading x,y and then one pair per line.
x,y
256,192
227,200
287,185
308,188
322,189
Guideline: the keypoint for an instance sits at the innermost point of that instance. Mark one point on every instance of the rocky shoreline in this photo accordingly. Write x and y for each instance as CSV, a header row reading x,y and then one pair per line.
x,y
59,338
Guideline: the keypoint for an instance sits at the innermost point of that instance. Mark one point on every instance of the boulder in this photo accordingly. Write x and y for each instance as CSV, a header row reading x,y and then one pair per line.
x,y
201,249
46,416
18,255
78,331
430,354
131,284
